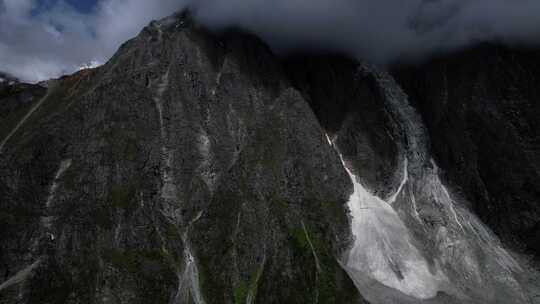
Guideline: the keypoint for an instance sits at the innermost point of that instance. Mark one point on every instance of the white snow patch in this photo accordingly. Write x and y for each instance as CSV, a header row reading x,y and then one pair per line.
x,y
20,276
218,83
64,165
416,215
89,65
168,190
47,220
469,258
328,139
383,247
404,180
208,174
317,264
23,120
188,279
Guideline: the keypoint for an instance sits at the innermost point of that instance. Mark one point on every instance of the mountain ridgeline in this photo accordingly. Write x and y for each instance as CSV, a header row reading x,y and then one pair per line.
x,y
197,167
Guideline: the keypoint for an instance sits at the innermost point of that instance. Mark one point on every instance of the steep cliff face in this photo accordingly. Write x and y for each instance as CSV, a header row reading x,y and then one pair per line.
x,y
200,168
349,106
412,232
17,100
186,170
481,108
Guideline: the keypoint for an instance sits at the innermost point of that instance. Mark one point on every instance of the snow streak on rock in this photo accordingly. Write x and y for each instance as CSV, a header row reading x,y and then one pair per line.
x,y
422,241
47,220
64,165
404,180
168,190
188,279
383,246
20,276
23,120
188,276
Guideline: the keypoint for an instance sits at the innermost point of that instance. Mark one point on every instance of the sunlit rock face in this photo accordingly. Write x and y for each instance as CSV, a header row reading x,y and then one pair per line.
x,y
200,168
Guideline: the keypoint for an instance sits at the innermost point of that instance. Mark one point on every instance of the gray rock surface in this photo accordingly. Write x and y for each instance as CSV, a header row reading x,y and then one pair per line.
x,y
412,208
349,106
185,170
481,108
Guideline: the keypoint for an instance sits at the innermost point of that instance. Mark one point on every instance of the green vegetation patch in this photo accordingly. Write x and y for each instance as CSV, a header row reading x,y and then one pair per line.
x,y
244,289
326,277
299,240
132,261
121,196
124,196
240,293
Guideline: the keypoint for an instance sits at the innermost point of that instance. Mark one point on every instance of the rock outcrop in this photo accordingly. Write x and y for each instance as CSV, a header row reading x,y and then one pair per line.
x,y
413,231
481,108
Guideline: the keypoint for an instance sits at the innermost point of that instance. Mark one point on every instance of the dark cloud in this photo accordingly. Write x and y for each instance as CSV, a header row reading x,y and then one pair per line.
x,y
60,39
379,30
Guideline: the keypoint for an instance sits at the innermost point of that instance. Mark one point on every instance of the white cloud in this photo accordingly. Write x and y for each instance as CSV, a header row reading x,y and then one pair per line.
x,y
61,40
379,30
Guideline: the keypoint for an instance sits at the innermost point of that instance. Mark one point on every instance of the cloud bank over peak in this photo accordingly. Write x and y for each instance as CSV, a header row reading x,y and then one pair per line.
x,y
36,44
379,30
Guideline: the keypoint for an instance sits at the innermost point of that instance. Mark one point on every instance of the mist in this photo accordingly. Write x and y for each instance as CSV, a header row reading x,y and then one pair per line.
x,y
380,31
59,39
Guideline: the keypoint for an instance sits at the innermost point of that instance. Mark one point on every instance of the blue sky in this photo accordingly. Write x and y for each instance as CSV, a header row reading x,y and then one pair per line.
x,y
42,39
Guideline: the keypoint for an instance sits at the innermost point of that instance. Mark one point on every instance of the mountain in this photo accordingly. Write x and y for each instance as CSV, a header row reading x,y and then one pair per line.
x,y
187,168
481,108
197,167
